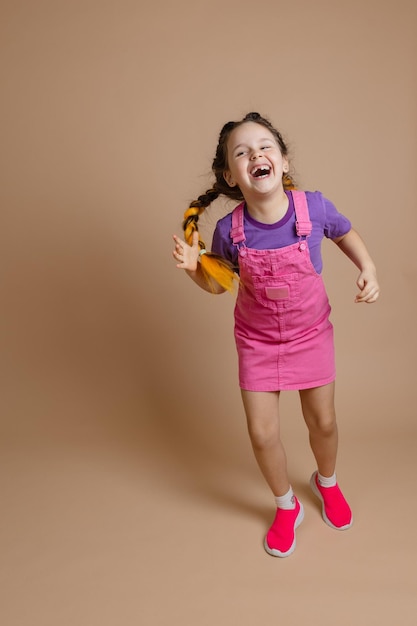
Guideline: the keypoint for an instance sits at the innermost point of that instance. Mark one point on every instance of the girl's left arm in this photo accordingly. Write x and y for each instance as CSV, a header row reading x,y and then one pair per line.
x,y
354,248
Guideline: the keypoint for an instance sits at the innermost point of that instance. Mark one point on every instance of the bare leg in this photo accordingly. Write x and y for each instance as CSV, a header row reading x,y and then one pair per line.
x,y
262,414
320,417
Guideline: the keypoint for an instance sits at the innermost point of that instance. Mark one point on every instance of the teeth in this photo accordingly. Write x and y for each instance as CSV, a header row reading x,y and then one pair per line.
x,y
260,170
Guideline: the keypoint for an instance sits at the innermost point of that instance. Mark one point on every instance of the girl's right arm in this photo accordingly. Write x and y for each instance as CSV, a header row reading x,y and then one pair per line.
x,y
187,257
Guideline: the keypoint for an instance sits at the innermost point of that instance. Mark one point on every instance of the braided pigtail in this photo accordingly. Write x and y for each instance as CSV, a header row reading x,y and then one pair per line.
x,y
213,266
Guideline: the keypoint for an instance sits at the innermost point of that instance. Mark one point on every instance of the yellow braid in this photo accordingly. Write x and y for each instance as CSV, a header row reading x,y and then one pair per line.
x,y
214,267
190,225
287,182
217,269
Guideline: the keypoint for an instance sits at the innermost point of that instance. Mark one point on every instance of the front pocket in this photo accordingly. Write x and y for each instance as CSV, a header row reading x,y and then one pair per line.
x,y
277,292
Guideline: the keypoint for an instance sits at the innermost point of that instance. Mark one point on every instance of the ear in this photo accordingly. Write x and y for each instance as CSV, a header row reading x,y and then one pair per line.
x,y
228,178
285,165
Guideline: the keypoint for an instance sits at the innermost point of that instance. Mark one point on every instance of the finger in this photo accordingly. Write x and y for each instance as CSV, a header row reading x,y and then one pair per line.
x,y
370,295
373,296
180,261
361,298
362,295
196,238
180,246
178,254
178,241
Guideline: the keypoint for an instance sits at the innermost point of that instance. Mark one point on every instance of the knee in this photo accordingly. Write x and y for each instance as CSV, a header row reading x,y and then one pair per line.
x,y
323,426
263,437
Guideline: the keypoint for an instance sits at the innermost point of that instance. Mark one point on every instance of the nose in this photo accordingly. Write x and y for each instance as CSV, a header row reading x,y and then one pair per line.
x,y
255,154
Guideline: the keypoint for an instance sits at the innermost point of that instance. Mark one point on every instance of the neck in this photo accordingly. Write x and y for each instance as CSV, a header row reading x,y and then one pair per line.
x,y
268,210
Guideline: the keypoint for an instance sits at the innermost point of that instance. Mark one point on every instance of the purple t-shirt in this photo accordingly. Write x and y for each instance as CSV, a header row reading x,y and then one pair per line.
x,y
325,219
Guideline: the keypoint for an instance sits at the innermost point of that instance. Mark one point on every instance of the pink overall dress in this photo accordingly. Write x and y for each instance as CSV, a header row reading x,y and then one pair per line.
x,y
283,334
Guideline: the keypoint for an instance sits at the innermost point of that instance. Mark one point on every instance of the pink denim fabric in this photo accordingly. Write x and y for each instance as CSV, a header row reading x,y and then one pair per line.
x,y
283,334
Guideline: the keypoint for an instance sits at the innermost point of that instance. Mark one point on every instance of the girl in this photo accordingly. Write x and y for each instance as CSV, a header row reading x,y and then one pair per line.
x,y
283,334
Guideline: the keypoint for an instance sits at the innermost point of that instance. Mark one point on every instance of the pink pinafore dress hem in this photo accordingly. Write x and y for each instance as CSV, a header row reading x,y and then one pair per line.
x,y
283,334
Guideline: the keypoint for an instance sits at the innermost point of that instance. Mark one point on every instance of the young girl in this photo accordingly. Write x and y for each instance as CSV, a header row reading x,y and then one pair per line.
x,y
283,334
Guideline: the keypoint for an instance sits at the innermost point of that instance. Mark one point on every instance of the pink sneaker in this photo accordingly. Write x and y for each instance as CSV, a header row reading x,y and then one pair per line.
x,y
280,539
335,510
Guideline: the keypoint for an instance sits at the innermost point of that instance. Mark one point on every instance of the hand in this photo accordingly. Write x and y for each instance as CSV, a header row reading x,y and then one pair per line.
x,y
187,256
368,285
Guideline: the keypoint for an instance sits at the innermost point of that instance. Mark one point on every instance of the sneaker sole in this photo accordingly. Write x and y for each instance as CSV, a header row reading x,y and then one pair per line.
x,y
278,553
317,493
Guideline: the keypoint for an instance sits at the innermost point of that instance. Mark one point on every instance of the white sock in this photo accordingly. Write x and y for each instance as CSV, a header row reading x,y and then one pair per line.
x,y
326,481
286,501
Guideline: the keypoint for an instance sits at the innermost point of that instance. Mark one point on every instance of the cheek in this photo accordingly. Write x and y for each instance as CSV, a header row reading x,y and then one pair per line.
x,y
241,168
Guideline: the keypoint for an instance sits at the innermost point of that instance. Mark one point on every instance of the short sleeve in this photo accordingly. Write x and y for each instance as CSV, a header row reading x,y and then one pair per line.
x,y
335,224
222,243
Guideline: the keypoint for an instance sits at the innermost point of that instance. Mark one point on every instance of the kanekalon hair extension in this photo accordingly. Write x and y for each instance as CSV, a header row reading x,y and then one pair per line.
x,y
288,182
214,267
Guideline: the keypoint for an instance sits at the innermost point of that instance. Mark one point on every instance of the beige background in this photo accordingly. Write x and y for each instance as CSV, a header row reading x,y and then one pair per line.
x,y
129,494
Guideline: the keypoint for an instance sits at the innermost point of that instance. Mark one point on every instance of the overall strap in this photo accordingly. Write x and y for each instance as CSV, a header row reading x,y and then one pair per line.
x,y
236,232
302,217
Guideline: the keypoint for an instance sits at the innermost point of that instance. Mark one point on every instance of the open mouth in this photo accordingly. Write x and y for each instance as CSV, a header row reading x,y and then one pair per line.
x,y
261,171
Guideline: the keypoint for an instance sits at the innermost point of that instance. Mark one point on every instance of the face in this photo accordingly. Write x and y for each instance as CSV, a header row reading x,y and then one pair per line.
x,y
255,161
